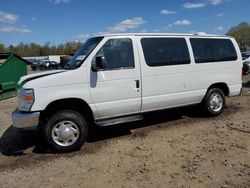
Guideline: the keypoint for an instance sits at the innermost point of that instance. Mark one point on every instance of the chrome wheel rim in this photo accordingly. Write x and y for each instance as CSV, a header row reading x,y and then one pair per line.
x,y
216,102
65,133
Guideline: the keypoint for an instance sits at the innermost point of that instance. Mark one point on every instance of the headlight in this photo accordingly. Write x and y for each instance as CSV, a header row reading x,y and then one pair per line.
x,y
26,98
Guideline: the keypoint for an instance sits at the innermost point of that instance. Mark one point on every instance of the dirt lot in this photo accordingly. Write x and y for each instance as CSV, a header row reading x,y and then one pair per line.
x,y
174,148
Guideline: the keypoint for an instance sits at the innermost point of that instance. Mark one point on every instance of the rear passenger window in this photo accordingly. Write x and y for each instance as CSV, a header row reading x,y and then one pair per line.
x,y
165,51
213,50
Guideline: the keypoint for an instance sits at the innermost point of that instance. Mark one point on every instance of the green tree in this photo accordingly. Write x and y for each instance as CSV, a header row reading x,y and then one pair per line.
x,y
46,49
34,49
2,48
241,33
60,49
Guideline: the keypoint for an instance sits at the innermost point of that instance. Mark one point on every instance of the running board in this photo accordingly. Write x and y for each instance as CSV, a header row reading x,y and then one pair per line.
x,y
119,120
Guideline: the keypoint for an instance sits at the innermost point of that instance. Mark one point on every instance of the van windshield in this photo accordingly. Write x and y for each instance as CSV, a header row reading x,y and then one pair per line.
x,y
80,56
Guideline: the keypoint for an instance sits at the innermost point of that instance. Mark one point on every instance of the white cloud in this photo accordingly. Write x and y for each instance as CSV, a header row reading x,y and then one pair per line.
x,y
59,1
167,12
143,31
33,19
82,36
220,14
193,5
157,30
8,29
220,28
100,33
127,24
182,22
8,18
216,2
10,23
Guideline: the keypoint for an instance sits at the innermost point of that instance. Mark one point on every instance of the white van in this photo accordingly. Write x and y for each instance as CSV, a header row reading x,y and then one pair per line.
x,y
115,78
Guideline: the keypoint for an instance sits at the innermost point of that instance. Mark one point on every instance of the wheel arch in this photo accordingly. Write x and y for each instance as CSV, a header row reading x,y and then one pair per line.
x,y
220,85
75,104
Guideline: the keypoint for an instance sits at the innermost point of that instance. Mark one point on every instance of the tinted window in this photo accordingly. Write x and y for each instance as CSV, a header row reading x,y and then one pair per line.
x,y
165,51
118,53
213,50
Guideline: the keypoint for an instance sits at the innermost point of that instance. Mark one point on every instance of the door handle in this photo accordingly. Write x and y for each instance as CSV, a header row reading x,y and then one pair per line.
x,y
137,84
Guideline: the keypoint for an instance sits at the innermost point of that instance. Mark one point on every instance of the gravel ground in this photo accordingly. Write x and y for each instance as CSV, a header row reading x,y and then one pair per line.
x,y
174,148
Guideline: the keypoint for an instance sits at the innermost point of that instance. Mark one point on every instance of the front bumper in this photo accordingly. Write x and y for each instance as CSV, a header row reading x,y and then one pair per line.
x,y
25,120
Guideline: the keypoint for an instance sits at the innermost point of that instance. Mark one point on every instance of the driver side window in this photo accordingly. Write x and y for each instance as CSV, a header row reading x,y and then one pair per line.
x,y
118,53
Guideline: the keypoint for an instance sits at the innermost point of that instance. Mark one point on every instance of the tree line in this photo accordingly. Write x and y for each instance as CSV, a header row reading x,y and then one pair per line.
x,y
240,32
33,49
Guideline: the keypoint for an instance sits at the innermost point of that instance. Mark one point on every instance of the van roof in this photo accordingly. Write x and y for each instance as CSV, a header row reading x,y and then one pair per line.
x,y
202,34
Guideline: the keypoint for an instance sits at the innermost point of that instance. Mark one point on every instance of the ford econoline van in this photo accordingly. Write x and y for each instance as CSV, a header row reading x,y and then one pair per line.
x,y
115,78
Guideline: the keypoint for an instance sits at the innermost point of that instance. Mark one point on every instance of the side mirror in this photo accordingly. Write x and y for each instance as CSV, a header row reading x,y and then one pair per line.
x,y
99,63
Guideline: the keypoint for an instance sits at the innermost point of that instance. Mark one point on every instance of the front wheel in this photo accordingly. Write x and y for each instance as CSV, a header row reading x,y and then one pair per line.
x,y
214,102
66,131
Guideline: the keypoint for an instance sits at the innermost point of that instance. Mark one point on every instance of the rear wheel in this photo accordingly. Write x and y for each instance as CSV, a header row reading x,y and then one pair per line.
x,y
66,131
214,102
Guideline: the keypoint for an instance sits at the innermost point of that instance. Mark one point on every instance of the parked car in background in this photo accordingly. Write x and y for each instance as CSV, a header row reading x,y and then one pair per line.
x,y
44,64
50,65
34,64
246,62
246,56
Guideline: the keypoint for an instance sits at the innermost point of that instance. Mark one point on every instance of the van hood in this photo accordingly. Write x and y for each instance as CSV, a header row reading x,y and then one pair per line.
x,y
30,77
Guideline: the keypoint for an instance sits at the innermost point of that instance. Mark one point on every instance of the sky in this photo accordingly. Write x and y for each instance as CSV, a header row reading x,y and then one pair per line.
x,y
60,21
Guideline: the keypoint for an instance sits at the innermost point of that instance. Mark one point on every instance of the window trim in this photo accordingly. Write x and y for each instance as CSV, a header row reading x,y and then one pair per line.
x,y
162,63
122,68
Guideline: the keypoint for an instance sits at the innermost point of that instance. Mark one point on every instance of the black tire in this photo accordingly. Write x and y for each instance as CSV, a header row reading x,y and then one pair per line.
x,y
215,107
67,120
